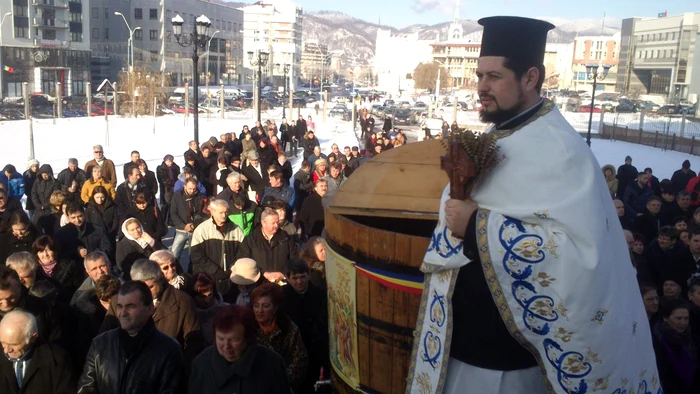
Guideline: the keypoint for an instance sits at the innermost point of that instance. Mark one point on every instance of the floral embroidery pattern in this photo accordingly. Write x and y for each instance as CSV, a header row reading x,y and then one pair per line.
x,y
551,247
444,244
563,334
424,386
599,316
544,279
592,357
562,310
601,383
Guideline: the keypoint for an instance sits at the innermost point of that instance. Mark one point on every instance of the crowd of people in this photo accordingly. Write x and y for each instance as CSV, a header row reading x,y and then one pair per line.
x,y
92,299
661,221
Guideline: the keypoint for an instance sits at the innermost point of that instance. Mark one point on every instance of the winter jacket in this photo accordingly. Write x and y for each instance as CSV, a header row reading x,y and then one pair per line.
x,y
268,155
334,183
680,180
66,178
244,219
311,216
12,205
648,225
108,171
284,193
626,174
156,364
214,251
287,172
49,372
13,185
29,179
90,185
126,194
149,178
271,256
205,316
636,198
42,190
302,188
107,217
88,236
309,144
248,146
68,275
180,184
167,176
10,244
612,181
693,187
353,164
260,370
128,252
285,339
186,209
151,220
312,159
47,320
257,182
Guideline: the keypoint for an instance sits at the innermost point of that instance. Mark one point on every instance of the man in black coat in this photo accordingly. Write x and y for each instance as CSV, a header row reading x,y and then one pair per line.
x,y
305,303
309,142
681,177
135,156
680,208
18,298
78,238
311,216
649,223
666,259
8,206
193,150
626,174
257,175
302,127
127,191
31,365
269,247
167,173
155,361
72,179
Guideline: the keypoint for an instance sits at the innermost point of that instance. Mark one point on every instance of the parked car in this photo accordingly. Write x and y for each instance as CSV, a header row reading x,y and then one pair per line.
x,y
388,103
420,104
587,108
341,113
405,116
648,106
374,108
626,107
298,102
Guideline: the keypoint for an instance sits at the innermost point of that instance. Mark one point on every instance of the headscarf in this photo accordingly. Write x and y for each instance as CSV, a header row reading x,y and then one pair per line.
x,y
142,242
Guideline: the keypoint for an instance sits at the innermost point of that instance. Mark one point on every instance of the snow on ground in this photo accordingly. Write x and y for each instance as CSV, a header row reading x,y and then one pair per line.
x,y
663,163
54,144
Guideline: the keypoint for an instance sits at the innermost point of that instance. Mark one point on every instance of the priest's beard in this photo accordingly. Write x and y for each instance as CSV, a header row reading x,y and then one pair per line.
x,y
501,115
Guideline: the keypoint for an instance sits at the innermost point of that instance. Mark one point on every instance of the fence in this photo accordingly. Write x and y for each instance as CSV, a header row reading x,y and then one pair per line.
x,y
657,139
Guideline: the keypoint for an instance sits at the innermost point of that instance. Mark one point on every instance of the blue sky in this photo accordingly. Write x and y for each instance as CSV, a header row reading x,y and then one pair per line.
x,y
402,13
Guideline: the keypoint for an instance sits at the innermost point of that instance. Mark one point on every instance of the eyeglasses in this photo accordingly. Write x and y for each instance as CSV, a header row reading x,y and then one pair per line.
x,y
97,151
651,299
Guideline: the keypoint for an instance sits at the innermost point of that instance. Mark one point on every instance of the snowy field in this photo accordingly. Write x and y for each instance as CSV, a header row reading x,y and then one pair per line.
x,y
55,144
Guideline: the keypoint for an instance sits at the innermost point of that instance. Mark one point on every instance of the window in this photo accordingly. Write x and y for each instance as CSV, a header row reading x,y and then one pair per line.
x,y
106,13
168,35
95,33
673,36
138,13
76,37
153,13
667,35
95,13
154,56
664,54
168,16
48,34
138,34
21,32
75,17
671,54
153,34
20,10
106,33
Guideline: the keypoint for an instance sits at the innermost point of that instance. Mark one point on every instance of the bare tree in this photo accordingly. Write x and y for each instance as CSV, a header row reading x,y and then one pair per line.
x,y
140,88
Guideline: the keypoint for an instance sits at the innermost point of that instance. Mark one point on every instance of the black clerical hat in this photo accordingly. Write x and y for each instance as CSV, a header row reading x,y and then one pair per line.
x,y
522,40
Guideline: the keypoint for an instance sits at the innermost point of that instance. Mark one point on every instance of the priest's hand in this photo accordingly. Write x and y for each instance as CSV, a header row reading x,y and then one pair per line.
x,y
457,214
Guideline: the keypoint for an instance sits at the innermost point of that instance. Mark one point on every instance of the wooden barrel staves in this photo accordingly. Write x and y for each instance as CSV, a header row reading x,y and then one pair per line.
x,y
378,228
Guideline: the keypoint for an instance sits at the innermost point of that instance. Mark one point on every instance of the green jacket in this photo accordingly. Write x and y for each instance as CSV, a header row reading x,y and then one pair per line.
x,y
244,220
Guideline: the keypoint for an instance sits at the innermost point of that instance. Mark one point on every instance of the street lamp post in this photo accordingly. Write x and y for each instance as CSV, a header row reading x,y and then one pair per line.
x,y
130,44
197,40
285,69
594,72
260,61
2,23
207,66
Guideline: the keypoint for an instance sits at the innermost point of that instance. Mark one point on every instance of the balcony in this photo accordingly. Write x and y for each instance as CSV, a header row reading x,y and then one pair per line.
x,y
50,3
50,23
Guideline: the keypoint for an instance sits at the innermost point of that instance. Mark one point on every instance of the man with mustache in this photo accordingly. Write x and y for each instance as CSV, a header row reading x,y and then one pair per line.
x,y
519,277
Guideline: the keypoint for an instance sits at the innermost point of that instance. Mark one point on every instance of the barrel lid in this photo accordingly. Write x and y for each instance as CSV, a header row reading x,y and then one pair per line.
x,y
404,182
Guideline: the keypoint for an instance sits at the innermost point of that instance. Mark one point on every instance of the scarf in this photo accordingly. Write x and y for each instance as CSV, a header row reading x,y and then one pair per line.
x,y
189,204
100,162
142,242
177,282
48,268
243,298
680,349
268,330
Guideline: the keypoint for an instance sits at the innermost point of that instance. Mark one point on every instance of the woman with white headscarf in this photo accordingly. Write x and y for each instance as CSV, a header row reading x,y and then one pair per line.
x,y
135,245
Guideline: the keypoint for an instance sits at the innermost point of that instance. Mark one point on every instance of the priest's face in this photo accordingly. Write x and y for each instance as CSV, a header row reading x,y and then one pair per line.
x,y
502,94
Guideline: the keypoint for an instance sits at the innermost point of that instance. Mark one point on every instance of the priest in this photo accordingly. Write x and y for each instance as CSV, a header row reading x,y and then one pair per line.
x,y
529,286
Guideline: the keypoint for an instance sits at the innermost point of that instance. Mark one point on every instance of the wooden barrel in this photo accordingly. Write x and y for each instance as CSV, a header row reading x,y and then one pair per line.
x,y
380,223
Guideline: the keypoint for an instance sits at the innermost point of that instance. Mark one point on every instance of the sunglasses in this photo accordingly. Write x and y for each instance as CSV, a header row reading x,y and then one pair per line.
x,y
97,151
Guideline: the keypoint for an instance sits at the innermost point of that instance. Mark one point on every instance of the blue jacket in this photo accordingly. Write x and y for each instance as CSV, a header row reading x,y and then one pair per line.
x,y
14,185
284,193
636,198
180,184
